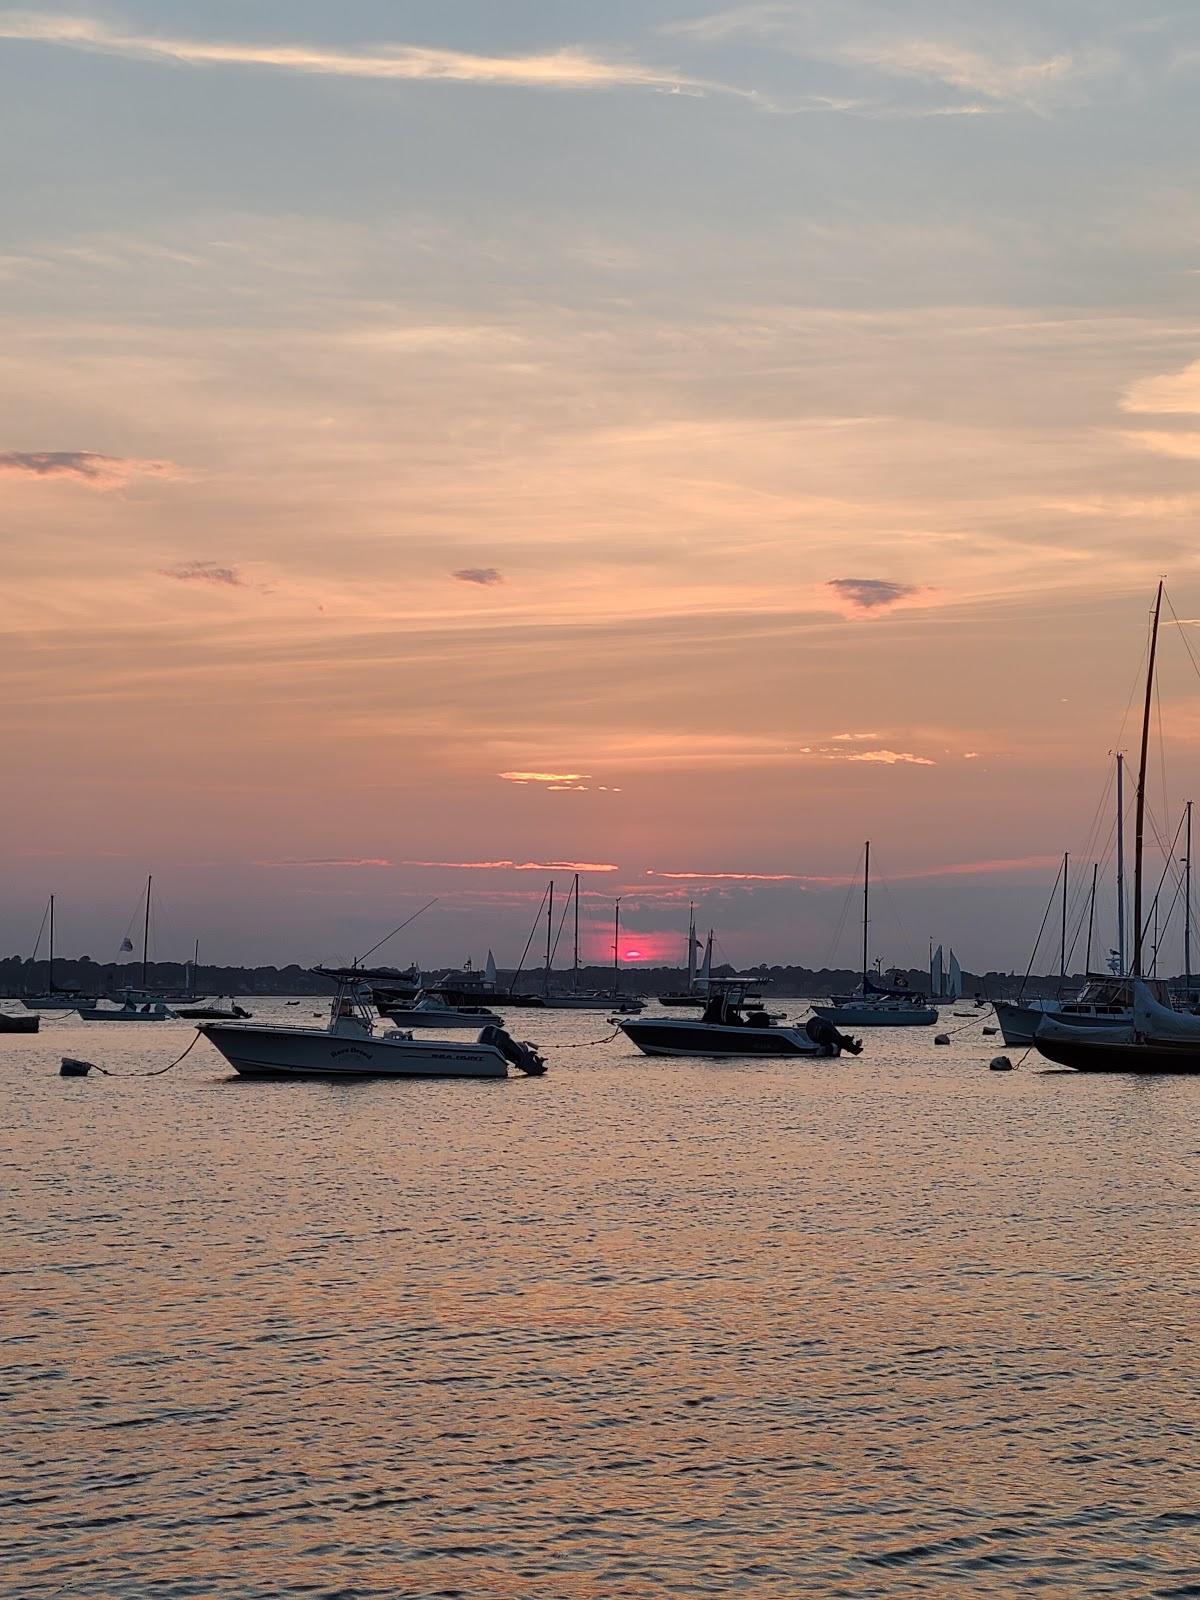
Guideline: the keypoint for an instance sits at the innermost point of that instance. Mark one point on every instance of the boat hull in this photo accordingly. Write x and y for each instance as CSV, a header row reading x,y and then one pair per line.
x,y
255,1050
415,1018
1102,1055
671,1036
1018,1024
868,1016
54,1002
19,1024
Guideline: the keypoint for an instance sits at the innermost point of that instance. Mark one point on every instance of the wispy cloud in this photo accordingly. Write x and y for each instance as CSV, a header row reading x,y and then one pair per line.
x,y
871,594
204,572
560,69
891,758
323,862
516,866
852,738
731,877
486,577
995,77
81,466
544,777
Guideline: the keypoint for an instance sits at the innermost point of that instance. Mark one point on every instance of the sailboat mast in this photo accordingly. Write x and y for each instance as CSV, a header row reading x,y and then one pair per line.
x,y
1062,960
1139,827
575,965
866,907
1187,906
146,930
51,944
616,943
549,935
1087,965
1121,863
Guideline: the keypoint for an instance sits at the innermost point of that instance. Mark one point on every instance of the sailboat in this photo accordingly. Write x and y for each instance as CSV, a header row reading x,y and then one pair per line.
x,y
577,999
55,998
136,1005
945,981
1153,1037
875,1005
697,991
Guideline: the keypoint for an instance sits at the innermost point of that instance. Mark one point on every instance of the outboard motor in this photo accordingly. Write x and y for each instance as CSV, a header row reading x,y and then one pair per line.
x,y
518,1053
821,1031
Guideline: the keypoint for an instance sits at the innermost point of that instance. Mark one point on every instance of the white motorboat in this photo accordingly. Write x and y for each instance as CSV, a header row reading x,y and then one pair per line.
x,y
349,1047
130,1011
427,1011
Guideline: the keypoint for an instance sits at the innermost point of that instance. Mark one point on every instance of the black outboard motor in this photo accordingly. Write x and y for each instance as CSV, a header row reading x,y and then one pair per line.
x,y
518,1053
821,1031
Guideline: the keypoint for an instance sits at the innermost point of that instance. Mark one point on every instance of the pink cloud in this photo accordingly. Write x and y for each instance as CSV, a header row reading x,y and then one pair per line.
x,y
516,866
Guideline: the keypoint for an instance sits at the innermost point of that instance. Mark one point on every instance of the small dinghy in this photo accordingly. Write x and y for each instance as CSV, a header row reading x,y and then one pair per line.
x,y
28,1024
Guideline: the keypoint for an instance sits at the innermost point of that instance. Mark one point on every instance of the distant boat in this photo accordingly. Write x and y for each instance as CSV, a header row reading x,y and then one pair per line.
x,y
56,997
729,1029
217,1013
697,986
131,1009
427,1011
575,998
873,1005
349,1047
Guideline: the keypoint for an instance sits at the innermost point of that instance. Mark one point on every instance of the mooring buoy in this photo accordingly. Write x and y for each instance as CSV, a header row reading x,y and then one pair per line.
x,y
942,1038
71,1068
1000,1064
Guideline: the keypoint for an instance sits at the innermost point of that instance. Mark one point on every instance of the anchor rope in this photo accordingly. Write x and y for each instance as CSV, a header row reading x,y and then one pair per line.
x,y
157,1071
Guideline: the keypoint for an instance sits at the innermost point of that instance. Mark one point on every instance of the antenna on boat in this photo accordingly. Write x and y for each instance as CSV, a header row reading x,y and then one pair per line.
x,y
395,931
1140,812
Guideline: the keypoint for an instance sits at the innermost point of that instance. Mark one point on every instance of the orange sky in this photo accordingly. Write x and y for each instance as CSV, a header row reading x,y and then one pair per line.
x,y
529,465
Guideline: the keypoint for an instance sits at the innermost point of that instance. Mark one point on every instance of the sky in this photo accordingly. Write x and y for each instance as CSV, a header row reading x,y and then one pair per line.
x,y
444,446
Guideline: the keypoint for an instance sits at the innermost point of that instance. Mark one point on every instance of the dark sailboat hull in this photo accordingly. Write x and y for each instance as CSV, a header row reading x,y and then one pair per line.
x,y
1095,1056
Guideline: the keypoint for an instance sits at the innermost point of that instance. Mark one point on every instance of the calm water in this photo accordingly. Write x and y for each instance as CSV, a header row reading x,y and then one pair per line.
x,y
883,1327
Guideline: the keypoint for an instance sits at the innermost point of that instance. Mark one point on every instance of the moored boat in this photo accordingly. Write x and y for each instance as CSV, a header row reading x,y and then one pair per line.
x,y
19,1024
130,1010
729,1028
349,1047
427,1011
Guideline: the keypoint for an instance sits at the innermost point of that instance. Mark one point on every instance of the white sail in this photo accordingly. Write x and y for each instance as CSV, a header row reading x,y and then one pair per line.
x,y
489,970
935,973
954,979
706,969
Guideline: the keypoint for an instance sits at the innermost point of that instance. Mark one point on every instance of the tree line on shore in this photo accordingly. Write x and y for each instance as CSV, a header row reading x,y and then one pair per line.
x,y
19,975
